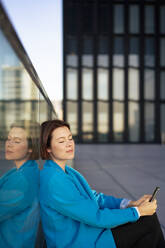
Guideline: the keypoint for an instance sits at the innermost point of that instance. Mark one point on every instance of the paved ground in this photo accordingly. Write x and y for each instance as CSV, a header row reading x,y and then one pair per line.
x,y
124,170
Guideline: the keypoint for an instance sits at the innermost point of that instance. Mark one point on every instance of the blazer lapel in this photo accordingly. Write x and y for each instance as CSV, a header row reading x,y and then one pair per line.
x,y
80,181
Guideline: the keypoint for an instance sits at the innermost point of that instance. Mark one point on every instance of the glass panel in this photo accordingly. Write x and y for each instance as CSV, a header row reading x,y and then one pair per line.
x,y
71,45
149,121
149,57
118,84
118,57
87,120
162,52
103,58
133,121
71,83
87,84
72,19
20,115
162,85
149,84
118,120
162,19
103,82
162,117
133,84
88,14
103,18
133,57
103,117
72,117
118,19
149,25
72,60
87,57
134,19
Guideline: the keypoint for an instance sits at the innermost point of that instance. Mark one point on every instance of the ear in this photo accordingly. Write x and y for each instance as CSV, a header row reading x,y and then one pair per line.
x,y
49,150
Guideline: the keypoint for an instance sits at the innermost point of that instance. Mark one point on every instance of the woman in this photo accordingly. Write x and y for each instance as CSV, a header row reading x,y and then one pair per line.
x,y
74,216
19,188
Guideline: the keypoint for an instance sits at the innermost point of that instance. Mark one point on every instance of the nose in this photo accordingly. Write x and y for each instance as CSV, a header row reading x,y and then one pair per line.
x,y
69,143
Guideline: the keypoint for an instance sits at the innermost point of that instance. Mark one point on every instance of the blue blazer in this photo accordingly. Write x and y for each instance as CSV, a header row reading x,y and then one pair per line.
x,y
19,206
73,215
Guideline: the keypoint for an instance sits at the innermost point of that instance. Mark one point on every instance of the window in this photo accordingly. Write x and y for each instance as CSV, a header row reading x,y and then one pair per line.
x,y
118,19
133,121
149,84
118,84
72,84
103,83
134,19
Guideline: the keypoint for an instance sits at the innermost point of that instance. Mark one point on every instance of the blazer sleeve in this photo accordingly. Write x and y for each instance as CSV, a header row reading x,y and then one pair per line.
x,y
64,197
106,201
14,197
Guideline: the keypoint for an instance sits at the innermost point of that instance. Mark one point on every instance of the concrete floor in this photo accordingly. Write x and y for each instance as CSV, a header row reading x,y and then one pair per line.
x,y
124,171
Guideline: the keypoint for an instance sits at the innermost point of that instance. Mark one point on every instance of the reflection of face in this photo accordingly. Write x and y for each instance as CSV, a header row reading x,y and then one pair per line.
x,y
16,146
62,145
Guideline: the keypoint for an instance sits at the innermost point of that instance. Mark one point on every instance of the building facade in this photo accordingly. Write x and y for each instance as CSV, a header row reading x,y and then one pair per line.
x,y
114,70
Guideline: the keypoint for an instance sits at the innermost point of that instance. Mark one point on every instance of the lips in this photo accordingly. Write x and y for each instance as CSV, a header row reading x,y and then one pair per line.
x,y
70,151
9,152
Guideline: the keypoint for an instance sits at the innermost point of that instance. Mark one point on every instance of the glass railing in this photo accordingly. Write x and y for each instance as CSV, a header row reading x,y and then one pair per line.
x,y
24,105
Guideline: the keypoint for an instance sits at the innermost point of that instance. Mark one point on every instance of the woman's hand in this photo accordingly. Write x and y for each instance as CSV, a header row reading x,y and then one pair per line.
x,y
142,199
147,208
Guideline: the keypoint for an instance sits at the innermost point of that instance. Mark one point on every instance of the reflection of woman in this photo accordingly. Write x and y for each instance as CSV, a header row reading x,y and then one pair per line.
x,y
19,212
74,216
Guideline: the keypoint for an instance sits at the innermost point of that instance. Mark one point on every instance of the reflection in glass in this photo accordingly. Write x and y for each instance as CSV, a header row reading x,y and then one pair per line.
x,y
162,122
133,121
87,84
103,127
103,20
72,84
87,119
149,24
149,84
162,85
118,84
133,57
19,206
162,52
118,57
133,84
118,120
72,60
134,19
103,79
149,57
72,116
87,51
103,45
87,60
149,119
71,45
118,19
103,58
162,19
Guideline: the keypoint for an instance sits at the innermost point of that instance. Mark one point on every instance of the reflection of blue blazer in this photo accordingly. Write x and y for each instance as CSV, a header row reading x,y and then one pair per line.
x,y
73,215
19,208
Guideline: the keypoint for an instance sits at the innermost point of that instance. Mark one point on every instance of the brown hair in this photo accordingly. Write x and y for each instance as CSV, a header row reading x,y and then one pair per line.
x,y
32,129
47,128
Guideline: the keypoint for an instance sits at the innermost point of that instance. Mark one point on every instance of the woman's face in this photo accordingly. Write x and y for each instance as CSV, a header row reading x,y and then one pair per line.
x,y
62,145
16,146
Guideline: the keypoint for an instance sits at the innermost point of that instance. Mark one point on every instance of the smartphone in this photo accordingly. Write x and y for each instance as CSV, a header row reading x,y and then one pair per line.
x,y
154,194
